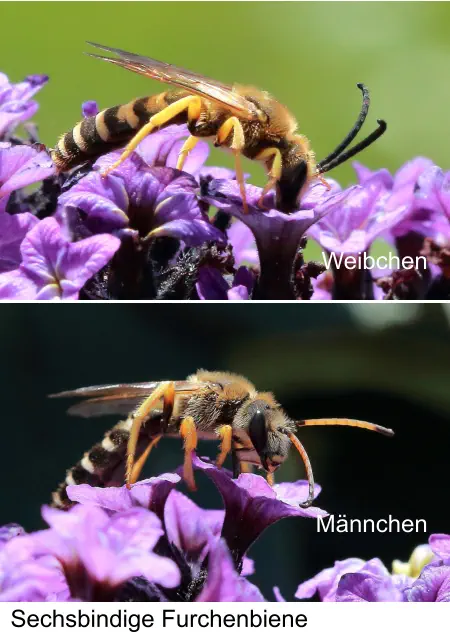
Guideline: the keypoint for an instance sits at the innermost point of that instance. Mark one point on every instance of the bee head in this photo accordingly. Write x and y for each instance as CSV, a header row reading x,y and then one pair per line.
x,y
261,421
298,167
289,186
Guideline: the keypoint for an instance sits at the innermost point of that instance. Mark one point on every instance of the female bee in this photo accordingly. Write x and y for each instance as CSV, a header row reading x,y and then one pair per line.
x,y
207,405
242,119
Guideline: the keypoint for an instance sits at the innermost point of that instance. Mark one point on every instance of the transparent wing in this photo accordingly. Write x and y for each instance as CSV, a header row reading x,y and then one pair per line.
x,y
119,399
191,81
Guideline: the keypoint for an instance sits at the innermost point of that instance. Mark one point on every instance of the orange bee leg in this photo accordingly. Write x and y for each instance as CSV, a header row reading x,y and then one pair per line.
x,y
139,464
226,434
274,155
189,434
323,181
239,467
233,124
270,478
192,104
185,150
166,392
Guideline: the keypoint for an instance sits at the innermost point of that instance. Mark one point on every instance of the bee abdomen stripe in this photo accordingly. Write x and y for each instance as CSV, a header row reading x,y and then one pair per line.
x,y
116,125
67,147
142,110
92,139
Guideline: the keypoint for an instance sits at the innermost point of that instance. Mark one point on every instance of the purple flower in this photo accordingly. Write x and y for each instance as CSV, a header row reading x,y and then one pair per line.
x,y
367,212
20,166
212,286
244,245
162,148
433,584
26,575
145,194
188,527
151,493
433,195
277,234
440,544
355,580
89,108
8,532
252,505
16,105
411,186
52,267
372,582
223,583
13,229
326,582
98,553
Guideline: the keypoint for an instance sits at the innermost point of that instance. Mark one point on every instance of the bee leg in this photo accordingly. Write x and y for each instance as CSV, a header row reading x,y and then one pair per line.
x,y
139,464
192,104
233,124
185,150
323,181
274,155
239,467
226,434
164,391
270,478
169,401
189,434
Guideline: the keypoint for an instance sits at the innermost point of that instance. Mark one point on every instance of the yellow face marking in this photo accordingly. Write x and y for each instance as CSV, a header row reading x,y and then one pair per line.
x,y
100,126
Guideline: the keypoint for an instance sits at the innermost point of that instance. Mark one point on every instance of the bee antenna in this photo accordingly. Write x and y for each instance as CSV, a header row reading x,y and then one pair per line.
x,y
307,464
382,126
355,129
387,432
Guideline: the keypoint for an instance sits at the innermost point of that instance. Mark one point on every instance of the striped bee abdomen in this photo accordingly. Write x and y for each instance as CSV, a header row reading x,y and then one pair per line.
x,y
104,464
109,129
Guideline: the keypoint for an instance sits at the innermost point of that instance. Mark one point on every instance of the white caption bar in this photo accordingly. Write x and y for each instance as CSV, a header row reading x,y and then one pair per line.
x,y
138,617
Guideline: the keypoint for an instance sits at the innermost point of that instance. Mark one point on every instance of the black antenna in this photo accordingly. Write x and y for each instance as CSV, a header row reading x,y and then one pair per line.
x,y
355,129
382,126
336,157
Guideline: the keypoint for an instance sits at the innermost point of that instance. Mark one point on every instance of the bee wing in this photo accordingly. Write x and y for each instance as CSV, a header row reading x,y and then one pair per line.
x,y
190,81
114,399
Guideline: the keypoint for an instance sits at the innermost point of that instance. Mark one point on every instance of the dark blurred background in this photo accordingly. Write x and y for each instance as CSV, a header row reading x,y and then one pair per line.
x,y
385,363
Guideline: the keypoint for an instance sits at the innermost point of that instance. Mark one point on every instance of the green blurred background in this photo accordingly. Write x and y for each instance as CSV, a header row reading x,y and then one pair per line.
x,y
309,55
386,363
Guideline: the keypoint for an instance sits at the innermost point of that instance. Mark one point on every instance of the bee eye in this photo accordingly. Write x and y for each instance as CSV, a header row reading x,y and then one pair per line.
x,y
257,430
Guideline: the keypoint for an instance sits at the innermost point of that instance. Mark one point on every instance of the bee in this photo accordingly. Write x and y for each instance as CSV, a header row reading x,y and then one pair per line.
x,y
241,119
250,425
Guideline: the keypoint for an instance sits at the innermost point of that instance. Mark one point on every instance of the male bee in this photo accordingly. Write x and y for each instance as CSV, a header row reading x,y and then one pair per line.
x,y
250,425
239,118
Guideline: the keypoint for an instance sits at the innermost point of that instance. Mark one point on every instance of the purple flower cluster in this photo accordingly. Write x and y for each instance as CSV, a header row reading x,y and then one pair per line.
x,y
150,231
426,577
149,543
153,543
